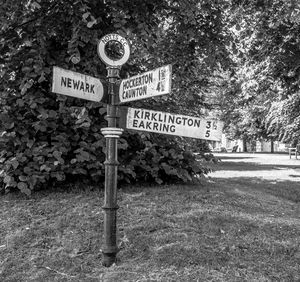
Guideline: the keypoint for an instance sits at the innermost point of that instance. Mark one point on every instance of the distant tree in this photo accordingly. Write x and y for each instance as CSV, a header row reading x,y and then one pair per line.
x,y
265,77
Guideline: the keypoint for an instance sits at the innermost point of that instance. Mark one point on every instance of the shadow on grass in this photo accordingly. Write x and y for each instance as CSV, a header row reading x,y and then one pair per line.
x,y
282,189
244,166
242,228
233,157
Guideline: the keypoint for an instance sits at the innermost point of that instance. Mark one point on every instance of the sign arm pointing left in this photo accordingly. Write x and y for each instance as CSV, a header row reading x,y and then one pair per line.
x,y
78,85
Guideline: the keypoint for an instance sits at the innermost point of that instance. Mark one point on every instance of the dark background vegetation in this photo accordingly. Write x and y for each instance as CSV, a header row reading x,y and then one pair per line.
x,y
239,60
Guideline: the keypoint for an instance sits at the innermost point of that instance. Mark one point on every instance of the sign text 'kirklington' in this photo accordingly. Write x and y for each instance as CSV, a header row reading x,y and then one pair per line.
x,y
77,85
149,84
172,124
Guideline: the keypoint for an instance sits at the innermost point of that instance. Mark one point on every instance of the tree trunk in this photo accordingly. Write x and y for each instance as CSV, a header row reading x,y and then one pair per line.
x,y
272,146
245,145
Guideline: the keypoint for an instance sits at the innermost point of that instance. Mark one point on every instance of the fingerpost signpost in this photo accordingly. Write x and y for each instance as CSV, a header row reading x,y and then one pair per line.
x,y
114,51
111,134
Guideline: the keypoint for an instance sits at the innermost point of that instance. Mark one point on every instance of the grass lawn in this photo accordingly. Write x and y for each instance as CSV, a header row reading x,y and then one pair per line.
x,y
233,227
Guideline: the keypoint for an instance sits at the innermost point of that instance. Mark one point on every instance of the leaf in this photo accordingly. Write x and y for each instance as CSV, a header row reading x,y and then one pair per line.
x,y
36,5
20,102
79,171
27,170
45,168
158,180
57,155
10,125
10,181
23,178
83,156
32,181
122,144
30,143
75,59
23,187
26,69
60,176
85,124
14,163
102,111
91,23
42,77
166,168
52,114
7,179
86,15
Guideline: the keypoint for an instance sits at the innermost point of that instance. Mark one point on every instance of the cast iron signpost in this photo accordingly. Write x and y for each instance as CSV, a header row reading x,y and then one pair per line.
x,y
114,51
111,134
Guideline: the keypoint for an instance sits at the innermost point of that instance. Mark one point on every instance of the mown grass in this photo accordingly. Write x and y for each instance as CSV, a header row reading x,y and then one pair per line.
x,y
223,230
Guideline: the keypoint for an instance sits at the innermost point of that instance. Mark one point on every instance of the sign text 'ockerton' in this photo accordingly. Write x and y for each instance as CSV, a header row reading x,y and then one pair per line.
x,y
149,84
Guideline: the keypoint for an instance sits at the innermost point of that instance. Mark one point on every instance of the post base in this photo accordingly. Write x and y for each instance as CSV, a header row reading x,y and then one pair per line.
x,y
108,259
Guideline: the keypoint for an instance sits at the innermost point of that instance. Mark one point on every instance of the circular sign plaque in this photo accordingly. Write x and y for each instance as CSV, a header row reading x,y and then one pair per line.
x,y
113,50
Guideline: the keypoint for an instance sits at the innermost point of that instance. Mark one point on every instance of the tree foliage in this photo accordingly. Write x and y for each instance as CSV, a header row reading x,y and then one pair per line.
x,y
265,77
48,138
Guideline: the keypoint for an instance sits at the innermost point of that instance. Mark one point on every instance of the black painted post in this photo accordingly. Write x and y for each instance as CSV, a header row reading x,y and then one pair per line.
x,y
111,133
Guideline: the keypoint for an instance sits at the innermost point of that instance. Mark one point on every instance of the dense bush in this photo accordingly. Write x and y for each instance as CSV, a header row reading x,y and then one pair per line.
x,y
160,159
61,142
48,139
